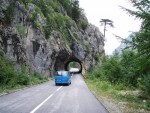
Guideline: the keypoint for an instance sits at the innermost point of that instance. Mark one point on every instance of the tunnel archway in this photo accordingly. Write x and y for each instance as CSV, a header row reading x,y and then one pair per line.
x,y
74,66
75,61
63,60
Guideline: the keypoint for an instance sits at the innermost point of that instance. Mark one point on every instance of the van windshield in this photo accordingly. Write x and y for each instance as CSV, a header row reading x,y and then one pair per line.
x,y
63,73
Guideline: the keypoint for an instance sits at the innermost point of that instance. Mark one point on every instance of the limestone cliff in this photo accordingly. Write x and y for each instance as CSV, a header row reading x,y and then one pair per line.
x,y
42,35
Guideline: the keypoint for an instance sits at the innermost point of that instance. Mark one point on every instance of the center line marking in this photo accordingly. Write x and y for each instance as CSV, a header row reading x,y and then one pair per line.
x,y
35,109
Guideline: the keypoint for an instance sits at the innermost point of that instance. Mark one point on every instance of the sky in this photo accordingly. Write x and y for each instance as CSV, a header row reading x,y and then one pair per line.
x,y
124,24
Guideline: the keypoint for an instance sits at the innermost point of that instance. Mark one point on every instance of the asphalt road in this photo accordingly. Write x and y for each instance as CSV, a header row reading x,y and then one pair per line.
x,y
48,98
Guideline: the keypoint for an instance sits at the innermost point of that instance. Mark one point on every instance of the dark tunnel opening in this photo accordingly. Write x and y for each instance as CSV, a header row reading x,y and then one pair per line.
x,y
65,61
73,66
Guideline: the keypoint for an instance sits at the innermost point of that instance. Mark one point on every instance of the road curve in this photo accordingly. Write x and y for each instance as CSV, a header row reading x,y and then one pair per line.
x,y
48,98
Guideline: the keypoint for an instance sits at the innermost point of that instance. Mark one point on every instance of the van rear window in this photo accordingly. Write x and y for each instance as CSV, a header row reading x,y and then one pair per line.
x,y
63,73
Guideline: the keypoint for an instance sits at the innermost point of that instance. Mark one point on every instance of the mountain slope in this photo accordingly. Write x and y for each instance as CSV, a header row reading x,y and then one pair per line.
x,y
44,35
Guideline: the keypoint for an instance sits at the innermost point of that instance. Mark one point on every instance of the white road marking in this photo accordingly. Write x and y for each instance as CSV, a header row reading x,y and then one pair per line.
x,y
58,89
35,109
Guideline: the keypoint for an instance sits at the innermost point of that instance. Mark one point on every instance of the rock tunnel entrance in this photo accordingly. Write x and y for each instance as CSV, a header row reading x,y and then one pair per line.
x,y
64,61
73,64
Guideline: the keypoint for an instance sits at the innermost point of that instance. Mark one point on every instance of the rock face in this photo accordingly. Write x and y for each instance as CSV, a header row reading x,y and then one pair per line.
x,y
25,44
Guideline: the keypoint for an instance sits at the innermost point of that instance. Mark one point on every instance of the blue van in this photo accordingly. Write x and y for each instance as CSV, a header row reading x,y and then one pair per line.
x,y
62,77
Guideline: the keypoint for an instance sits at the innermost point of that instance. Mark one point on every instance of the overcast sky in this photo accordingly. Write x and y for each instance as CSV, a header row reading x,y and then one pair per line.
x,y
96,10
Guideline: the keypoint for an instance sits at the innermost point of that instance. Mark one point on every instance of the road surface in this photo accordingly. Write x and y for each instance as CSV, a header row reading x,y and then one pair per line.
x,y
48,98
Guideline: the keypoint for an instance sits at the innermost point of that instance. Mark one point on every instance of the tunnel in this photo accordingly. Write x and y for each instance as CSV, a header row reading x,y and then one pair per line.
x,y
63,60
72,59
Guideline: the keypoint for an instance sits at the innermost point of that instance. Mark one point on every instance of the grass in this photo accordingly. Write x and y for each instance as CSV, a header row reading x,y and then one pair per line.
x,y
15,85
105,89
7,89
12,79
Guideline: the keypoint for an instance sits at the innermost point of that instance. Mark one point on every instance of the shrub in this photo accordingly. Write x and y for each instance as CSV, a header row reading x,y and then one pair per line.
x,y
129,69
67,6
112,69
146,84
37,75
9,13
7,71
83,24
45,5
96,73
65,35
72,8
10,78
88,48
25,2
23,79
76,11
96,57
20,79
22,30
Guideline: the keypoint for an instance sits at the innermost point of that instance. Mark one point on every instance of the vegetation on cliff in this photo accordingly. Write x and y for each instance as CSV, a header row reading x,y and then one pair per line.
x,y
19,17
44,15
58,15
10,78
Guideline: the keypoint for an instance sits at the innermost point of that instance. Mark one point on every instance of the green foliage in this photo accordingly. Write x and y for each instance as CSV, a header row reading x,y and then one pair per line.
x,y
18,79
22,30
54,4
76,11
65,35
6,71
82,24
54,20
11,78
141,40
146,83
128,68
67,6
96,74
96,57
51,11
88,48
37,78
104,89
34,16
46,6
132,67
73,65
9,14
25,2
114,70
72,8
61,21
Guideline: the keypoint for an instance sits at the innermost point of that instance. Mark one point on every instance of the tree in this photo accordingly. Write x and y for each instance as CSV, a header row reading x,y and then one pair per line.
x,y
67,4
106,22
76,11
141,40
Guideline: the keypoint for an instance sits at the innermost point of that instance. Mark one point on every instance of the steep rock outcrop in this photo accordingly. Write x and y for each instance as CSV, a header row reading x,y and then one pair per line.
x,y
26,44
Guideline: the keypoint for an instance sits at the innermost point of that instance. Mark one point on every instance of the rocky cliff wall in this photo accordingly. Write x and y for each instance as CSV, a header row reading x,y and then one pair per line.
x,y
23,39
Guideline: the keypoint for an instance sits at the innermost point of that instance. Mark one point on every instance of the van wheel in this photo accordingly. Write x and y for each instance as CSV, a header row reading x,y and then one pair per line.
x,y
56,84
70,82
